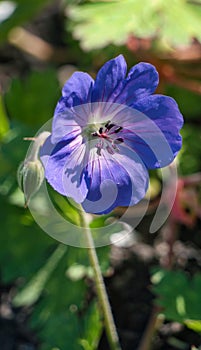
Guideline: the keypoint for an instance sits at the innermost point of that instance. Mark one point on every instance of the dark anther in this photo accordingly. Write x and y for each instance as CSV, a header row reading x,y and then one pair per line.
x,y
119,128
94,133
119,140
100,130
109,126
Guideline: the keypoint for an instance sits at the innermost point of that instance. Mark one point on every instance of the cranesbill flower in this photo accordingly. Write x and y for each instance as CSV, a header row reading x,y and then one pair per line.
x,y
107,133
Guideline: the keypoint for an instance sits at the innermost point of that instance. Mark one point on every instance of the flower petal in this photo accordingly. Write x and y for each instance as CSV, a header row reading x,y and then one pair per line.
x,y
109,80
164,112
65,125
142,81
153,134
63,167
119,180
76,90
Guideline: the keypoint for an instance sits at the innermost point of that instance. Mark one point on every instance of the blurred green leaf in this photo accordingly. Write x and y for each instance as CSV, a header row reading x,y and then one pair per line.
x,y
65,206
100,23
32,291
25,247
77,272
4,124
189,102
64,306
12,153
92,328
194,325
32,100
190,155
178,295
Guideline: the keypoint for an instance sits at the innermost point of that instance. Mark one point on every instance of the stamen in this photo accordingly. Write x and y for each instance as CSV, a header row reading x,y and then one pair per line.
x,y
94,133
119,128
110,126
107,124
100,130
119,140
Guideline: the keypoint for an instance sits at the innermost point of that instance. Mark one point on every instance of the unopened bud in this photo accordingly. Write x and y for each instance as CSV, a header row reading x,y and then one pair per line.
x,y
30,178
31,172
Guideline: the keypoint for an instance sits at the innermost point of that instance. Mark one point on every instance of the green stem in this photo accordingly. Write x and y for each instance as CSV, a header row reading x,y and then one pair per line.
x,y
100,287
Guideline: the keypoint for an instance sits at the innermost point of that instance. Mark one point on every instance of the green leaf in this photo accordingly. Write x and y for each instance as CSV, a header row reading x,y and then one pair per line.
x,y
92,328
77,272
4,124
32,291
194,325
25,246
189,102
32,100
190,155
65,207
100,23
178,295
65,306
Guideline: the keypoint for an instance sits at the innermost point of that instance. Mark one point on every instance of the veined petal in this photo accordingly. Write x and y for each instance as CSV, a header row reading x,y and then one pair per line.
x,y
109,80
142,81
153,134
119,180
76,90
164,112
72,177
63,167
65,125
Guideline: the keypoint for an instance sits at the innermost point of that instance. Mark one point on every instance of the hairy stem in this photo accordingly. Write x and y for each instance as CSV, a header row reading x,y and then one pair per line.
x,y
100,287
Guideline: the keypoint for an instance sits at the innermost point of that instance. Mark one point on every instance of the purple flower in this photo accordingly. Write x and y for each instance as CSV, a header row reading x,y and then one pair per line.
x,y
106,134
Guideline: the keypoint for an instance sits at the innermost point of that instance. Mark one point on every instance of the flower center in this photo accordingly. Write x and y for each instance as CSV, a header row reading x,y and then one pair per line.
x,y
108,137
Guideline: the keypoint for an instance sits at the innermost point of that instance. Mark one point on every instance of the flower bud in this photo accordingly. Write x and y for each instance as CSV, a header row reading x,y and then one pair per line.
x,y
31,172
30,178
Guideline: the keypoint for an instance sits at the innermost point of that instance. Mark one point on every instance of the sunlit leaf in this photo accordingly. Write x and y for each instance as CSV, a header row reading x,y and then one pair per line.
x,y
179,296
99,23
4,124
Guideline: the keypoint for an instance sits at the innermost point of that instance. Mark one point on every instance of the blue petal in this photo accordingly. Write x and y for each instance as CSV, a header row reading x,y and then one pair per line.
x,y
63,167
109,80
66,126
164,112
142,81
153,150
119,180
76,91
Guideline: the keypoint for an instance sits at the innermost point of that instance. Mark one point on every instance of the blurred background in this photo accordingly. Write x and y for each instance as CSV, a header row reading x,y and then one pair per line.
x,y
154,280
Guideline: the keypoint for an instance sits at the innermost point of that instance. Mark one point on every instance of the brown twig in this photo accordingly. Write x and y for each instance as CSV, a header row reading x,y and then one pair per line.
x,y
153,325
36,47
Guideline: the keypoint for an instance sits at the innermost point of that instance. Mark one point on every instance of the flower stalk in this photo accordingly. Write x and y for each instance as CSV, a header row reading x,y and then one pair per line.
x,y
110,327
